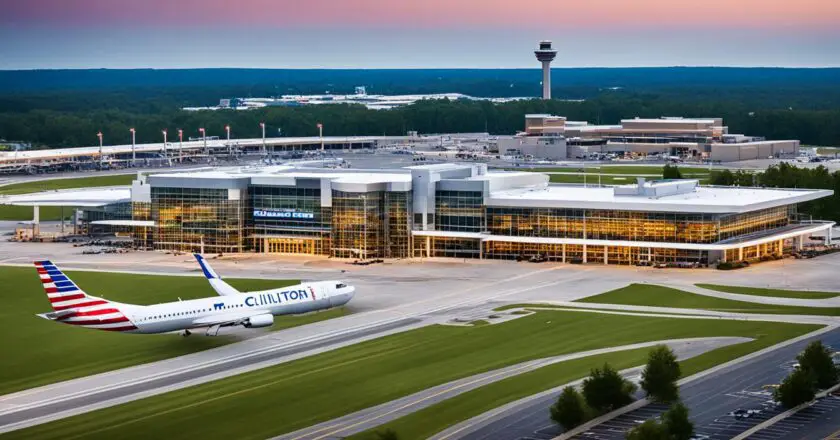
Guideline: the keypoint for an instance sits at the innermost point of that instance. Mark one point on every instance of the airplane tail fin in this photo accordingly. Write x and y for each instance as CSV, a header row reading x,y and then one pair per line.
x,y
62,292
221,287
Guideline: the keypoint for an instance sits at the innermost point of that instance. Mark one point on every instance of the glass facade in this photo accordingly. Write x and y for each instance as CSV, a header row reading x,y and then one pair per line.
x,y
288,220
460,211
371,225
378,224
757,221
398,209
632,225
199,219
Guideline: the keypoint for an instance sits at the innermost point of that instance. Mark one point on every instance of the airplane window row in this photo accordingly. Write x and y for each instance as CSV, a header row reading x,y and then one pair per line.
x,y
170,315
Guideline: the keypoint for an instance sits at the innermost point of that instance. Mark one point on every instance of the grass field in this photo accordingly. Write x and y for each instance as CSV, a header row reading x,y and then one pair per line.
x,y
297,394
79,182
429,421
37,352
629,174
777,293
659,296
617,169
592,179
49,213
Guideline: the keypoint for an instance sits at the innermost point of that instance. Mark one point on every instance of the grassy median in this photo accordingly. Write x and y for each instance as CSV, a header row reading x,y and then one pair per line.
x,y
776,293
37,352
314,389
659,296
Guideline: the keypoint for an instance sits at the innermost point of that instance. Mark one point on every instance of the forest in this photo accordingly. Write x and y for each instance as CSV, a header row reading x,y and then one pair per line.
x,y
785,175
65,108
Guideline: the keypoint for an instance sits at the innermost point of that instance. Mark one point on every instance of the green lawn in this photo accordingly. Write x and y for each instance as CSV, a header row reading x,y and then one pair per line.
x,y
659,296
433,419
592,179
37,352
615,169
297,394
51,213
80,182
778,293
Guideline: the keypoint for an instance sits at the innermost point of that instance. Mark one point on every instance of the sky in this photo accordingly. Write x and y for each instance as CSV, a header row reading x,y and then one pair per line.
x,y
416,33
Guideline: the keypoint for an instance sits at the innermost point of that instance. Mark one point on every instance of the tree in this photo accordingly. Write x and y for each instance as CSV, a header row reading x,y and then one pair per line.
x,y
570,410
649,430
605,389
676,422
659,378
671,172
387,434
816,359
796,389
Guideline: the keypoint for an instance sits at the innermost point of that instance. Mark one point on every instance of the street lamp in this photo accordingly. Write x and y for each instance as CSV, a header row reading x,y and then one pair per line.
x,y
262,126
180,146
165,154
133,133
321,134
230,147
204,136
99,135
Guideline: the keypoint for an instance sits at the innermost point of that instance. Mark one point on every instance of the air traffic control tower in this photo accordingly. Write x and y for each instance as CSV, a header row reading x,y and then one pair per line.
x,y
545,54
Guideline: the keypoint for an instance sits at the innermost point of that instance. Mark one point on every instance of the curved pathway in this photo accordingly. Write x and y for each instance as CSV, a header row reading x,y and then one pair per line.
x,y
372,417
824,303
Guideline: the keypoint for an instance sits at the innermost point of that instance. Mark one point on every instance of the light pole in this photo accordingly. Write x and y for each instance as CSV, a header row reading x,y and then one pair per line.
x,y
262,126
180,146
99,135
321,134
204,136
133,133
230,147
165,153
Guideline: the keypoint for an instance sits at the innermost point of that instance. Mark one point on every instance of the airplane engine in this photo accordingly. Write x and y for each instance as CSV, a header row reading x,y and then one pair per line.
x,y
257,321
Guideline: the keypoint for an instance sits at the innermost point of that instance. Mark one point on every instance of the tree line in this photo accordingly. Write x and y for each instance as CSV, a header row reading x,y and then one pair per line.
x,y
785,175
77,125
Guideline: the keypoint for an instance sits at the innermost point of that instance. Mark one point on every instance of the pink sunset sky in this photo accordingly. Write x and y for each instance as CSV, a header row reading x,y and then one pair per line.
x,y
430,33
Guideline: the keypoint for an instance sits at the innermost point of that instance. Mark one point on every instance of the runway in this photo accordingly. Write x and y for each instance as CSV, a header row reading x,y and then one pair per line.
x,y
51,402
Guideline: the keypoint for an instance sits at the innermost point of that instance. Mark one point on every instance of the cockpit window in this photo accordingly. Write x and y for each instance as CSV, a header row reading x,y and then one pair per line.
x,y
340,286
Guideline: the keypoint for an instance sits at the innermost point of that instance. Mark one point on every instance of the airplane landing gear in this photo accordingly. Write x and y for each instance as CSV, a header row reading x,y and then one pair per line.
x,y
186,333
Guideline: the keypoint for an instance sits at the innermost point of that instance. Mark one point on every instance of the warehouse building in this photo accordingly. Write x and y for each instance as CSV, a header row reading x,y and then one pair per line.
x,y
555,138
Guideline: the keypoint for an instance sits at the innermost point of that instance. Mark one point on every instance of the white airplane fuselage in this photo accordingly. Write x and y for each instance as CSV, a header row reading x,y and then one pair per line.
x,y
198,313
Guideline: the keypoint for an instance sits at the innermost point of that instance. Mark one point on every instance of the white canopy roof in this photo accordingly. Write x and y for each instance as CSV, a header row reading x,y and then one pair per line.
x,y
87,197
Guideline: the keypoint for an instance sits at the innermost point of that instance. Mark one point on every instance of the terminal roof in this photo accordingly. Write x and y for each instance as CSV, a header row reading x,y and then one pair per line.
x,y
705,199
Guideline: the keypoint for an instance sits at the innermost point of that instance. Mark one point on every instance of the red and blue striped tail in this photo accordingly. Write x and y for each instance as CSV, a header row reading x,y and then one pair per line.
x,y
73,306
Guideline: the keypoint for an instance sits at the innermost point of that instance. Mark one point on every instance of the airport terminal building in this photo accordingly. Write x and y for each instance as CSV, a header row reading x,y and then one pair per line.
x,y
445,210
464,211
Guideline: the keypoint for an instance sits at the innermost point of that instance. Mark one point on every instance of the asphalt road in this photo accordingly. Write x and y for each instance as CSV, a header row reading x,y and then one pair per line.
x,y
709,399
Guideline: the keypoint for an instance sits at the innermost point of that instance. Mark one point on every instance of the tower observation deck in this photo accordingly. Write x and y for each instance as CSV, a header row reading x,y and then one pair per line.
x,y
545,54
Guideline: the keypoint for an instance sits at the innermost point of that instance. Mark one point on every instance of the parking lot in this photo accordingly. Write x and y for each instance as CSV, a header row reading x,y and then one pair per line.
x,y
617,428
817,421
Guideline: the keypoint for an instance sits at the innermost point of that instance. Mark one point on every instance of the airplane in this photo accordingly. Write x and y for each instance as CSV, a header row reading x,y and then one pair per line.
x,y
71,305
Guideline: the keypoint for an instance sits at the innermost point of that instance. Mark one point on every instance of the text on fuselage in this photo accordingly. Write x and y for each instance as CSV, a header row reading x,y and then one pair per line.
x,y
276,297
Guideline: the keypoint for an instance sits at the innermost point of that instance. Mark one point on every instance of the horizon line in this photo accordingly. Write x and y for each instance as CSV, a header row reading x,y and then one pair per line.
x,y
36,69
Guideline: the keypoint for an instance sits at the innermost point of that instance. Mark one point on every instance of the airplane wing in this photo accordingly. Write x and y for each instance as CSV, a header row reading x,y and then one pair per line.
x,y
224,319
221,287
